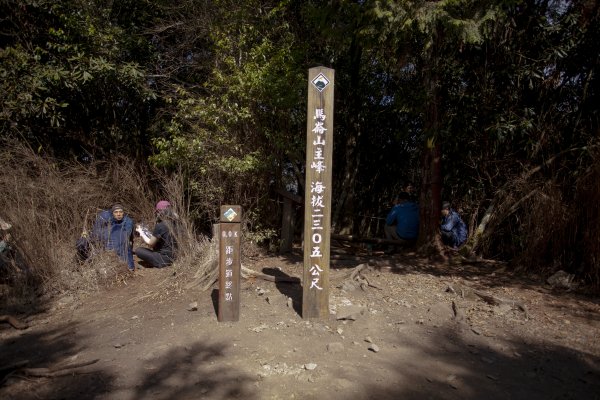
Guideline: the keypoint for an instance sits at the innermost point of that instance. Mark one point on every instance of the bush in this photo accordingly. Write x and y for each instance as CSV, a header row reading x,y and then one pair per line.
x,y
49,203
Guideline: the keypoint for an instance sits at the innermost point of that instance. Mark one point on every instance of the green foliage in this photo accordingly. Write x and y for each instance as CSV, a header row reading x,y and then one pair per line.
x,y
217,90
244,120
66,78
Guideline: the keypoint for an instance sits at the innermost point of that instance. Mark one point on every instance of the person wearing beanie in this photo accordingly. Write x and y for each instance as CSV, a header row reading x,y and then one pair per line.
x,y
453,229
120,237
161,241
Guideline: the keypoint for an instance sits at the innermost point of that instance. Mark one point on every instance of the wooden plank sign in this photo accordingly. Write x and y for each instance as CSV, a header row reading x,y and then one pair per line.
x,y
229,263
317,199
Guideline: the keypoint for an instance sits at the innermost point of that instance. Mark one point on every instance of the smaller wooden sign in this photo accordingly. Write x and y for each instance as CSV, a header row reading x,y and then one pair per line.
x,y
229,263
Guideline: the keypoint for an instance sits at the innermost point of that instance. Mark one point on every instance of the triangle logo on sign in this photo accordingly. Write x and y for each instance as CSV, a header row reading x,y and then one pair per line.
x,y
230,214
320,82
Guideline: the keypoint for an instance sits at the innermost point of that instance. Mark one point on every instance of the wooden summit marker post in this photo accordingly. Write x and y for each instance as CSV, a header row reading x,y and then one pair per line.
x,y
317,206
229,263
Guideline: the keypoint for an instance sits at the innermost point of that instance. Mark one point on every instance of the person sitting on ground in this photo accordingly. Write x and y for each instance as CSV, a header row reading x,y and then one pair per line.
x,y
402,222
410,189
452,229
120,238
97,238
162,240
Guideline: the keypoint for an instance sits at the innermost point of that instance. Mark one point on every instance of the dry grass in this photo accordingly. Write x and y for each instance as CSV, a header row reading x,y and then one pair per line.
x,y
49,203
544,226
585,227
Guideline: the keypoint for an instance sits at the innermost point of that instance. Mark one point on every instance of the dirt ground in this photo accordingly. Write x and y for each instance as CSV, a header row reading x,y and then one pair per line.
x,y
418,330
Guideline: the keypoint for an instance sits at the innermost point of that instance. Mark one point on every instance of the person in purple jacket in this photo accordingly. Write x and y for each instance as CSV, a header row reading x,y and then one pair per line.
x,y
452,229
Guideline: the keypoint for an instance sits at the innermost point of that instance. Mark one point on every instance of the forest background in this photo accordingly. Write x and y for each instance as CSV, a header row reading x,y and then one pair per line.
x,y
490,104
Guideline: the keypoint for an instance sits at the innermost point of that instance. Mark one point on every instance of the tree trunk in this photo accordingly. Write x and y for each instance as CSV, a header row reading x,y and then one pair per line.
x,y
431,185
430,200
343,219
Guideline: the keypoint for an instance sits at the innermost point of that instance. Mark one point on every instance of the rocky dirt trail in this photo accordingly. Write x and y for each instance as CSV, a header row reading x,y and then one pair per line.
x,y
415,330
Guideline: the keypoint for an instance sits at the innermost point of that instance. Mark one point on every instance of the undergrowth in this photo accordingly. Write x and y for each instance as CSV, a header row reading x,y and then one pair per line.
x,y
49,203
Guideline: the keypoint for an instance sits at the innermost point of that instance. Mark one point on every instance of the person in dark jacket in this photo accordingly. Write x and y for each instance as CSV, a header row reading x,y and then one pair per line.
x,y
120,236
162,240
96,239
402,222
112,230
452,229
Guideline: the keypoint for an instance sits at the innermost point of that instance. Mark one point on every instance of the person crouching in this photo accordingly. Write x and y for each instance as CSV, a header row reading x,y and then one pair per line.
x,y
161,240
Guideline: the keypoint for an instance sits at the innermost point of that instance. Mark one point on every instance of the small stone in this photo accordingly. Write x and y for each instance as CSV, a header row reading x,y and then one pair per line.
x,y
290,302
118,345
349,312
340,331
310,366
193,306
348,286
335,347
452,381
374,348
561,280
259,328
368,339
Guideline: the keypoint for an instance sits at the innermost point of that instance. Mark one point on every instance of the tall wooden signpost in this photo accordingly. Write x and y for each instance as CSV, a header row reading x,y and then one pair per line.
x,y
317,203
229,263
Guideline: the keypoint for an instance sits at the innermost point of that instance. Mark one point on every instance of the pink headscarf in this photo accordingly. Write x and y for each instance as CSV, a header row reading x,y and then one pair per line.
x,y
162,205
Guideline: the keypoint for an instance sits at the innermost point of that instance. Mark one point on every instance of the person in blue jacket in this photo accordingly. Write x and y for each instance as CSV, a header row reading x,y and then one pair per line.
x,y
402,222
120,238
96,239
452,229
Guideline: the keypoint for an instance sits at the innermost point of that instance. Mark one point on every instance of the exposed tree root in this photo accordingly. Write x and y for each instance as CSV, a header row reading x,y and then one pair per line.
x,y
466,291
357,276
19,370
15,323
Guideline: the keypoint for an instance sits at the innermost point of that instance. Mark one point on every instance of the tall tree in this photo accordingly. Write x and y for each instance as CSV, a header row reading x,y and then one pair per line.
x,y
428,37
233,114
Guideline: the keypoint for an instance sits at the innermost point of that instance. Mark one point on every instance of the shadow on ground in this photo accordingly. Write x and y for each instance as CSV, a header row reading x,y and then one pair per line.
x,y
449,366
184,372
47,349
193,372
478,274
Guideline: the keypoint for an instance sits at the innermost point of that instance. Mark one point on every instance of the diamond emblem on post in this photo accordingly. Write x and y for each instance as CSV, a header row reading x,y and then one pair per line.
x,y
320,82
230,214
